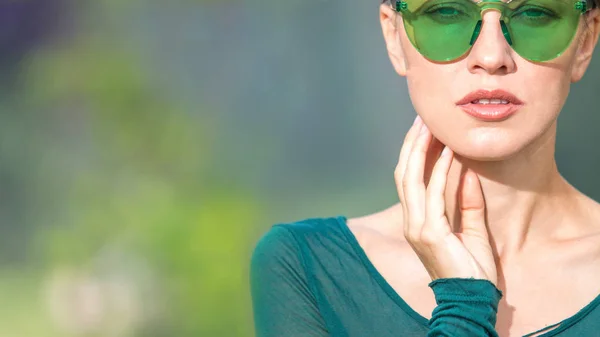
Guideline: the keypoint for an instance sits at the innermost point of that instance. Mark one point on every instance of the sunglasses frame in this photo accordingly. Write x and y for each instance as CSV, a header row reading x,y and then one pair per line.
x,y
401,6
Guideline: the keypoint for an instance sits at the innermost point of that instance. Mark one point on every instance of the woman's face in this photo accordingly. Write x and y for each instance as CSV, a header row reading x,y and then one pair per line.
x,y
435,88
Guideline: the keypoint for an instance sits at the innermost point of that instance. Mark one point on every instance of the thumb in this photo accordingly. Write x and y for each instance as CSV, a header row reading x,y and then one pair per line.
x,y
472,206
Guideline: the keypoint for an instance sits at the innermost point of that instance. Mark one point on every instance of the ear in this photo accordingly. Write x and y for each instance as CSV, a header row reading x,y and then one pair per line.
x,y
587,43
388,17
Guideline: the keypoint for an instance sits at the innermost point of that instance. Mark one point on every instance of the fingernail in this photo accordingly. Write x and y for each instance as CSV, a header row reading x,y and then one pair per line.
x,y
417,120
446,151
423,128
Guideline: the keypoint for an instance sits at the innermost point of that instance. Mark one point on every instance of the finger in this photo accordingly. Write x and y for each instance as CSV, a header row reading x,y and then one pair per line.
x,y
435,203
409,139
411,135
472,206
412,183
435,149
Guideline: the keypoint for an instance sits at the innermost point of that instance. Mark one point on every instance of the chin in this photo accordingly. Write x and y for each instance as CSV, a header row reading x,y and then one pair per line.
x,y
486,155
493,141
488,147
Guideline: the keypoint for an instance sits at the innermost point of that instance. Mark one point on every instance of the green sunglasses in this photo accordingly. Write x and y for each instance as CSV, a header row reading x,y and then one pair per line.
x,y
444,30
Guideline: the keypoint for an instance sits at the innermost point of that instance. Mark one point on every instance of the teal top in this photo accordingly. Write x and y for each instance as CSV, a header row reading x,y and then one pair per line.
x,y
311,278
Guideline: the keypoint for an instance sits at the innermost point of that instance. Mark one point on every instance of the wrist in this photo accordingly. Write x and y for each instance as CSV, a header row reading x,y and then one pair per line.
x,y
466,289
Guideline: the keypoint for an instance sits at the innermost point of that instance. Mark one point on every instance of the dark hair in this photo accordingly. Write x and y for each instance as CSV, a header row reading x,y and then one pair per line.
x,y
592,3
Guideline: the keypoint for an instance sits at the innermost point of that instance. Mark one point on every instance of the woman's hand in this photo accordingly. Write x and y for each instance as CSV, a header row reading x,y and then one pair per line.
x,y
421,182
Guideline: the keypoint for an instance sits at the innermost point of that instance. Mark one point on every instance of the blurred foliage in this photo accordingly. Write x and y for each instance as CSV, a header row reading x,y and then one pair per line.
x,y
133,237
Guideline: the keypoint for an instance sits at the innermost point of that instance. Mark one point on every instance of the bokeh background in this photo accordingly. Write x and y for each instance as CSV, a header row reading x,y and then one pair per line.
x,y
146,145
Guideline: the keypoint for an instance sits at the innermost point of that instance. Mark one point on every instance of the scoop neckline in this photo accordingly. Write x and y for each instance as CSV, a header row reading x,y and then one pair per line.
x,y
563,325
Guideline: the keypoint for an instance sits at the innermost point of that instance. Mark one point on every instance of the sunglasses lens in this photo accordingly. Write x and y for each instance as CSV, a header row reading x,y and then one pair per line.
x,y
538,30
542,29
441,29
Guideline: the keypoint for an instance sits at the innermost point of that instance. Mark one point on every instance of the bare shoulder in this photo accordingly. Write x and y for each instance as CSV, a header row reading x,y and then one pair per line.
x,y
381,236
591,206
586,214
582,234
382,225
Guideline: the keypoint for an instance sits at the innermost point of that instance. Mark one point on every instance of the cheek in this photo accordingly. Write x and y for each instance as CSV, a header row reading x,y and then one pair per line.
x,y
546,88
549,101
431,87
427,82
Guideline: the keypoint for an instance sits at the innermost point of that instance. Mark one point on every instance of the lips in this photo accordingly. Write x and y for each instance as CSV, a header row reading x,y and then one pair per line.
x,y
485,94
495,105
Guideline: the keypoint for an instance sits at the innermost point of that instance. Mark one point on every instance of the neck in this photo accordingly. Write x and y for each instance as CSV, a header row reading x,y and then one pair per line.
x,y
525,195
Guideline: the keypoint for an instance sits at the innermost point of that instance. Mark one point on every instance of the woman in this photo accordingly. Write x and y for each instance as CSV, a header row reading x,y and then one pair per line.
x,y
488,238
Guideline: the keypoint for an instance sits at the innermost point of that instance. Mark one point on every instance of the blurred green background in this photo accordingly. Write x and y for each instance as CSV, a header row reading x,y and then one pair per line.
x,y
145,146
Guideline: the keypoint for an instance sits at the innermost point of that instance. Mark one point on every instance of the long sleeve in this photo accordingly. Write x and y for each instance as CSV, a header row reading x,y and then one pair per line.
x,y
283,303
465,307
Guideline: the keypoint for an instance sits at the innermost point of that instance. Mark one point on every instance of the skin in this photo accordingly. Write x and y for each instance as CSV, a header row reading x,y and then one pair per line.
x,y
494,206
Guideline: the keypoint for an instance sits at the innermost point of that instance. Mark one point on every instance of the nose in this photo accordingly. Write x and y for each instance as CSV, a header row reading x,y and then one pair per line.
x,y
491,53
